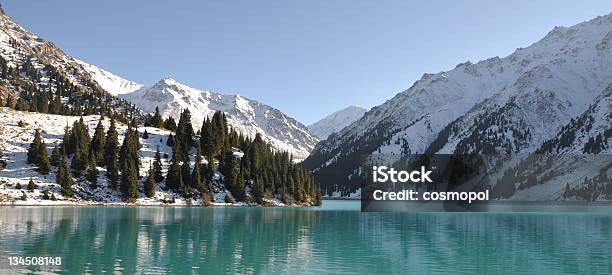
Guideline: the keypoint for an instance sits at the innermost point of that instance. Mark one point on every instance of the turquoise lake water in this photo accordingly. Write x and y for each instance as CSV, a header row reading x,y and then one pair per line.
x,y
335,238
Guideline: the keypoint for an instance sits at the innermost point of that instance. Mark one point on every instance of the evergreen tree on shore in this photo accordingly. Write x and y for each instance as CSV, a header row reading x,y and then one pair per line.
x,y
98,143
184,135
157,167
186,178
196,175
129,162
92,172
111,157
149,187
172,178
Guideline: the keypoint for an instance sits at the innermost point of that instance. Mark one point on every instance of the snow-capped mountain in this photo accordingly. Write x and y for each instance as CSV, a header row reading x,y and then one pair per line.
x,y
336,121
110,82
500,105
244,115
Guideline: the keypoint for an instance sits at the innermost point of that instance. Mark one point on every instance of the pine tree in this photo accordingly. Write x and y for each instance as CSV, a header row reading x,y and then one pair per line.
x,y
218,130
157,167
129,162
31,185
181,140
43,103
157,120
206,139
184,131
18,186
145,135
111,151
183,188
79,137
209,174
33,105
129,179
37,154
44,166
64,146
170,141
239,184
55,106
258,190
79,161
170,124
149,186
92,172
98,143
172,178
55,156
34,150
64,179
196,175
232,175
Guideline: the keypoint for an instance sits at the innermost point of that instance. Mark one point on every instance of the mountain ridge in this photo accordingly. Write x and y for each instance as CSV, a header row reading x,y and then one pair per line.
x,y
244,115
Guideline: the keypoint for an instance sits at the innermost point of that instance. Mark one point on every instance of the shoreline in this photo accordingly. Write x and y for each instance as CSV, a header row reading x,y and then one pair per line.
x,y
125,204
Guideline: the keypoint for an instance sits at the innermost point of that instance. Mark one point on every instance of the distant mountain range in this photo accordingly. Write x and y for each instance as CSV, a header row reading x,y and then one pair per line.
x,y
553,96
336,121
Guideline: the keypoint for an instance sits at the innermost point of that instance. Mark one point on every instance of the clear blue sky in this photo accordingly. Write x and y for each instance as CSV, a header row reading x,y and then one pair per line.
x,y
307,58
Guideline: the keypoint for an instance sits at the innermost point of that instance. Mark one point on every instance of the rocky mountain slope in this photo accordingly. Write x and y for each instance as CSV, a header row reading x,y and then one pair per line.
x,y
336,121
32,65
514,104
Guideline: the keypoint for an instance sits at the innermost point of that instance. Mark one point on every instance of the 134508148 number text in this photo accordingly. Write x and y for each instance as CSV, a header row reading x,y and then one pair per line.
x,y
31,261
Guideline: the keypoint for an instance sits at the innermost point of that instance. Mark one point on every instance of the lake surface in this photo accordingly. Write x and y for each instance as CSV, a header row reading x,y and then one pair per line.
x,y
335,238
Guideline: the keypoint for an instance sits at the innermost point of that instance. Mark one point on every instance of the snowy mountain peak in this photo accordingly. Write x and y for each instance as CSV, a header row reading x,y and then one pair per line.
x,y
169,81
244,115
337,121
